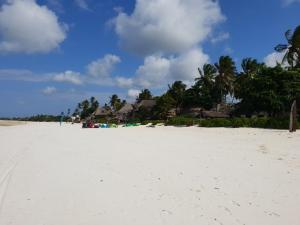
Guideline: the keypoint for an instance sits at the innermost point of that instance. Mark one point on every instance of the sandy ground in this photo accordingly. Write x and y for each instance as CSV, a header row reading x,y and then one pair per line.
x,y
51,175
7,123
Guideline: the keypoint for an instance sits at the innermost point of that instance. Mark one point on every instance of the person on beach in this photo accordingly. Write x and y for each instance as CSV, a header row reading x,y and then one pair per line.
x,y
61,118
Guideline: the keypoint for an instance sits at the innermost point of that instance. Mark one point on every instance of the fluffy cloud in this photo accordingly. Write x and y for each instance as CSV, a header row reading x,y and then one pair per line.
x,y
49,90
28,27
124,82
167,26
185,66
68,76
157,71
133,93
103,67
272,59
169,39
153,72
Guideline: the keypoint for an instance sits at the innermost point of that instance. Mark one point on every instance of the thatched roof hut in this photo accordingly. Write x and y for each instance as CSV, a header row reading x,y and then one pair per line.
x,y
101,112
214,114
125,112
148,104
193,112
126,109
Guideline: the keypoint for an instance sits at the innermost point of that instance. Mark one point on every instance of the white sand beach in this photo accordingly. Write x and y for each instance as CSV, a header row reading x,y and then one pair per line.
x,y
51,175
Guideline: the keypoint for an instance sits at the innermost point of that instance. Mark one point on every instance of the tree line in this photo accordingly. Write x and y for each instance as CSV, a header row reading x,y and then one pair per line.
x,y
256,88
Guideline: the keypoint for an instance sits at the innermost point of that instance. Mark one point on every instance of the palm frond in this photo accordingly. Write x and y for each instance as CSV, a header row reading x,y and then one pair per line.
x,y
281,47
289,35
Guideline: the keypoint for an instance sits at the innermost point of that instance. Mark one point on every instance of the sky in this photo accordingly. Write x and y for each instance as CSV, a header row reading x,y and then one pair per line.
x,y
56,53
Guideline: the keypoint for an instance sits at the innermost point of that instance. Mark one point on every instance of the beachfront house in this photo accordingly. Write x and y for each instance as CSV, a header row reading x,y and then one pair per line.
x,y
143,109
147,104
125,112
102,112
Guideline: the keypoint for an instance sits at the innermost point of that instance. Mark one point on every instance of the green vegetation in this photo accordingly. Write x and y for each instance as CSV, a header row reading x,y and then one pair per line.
x,y
86,107
254,90
39,118
261,122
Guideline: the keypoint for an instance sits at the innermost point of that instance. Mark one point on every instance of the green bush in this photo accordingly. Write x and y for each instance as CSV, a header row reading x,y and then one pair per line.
x,y
263,122
133,120
215,123
154,122
182,121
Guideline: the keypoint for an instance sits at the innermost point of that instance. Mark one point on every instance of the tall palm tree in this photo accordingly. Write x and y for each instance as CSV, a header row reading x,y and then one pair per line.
x,y
144,95
226,76
207,75
115,102
292,48
94,104
250,67
176,91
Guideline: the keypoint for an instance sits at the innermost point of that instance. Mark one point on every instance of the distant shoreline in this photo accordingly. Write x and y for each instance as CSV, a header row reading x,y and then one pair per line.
x,y
7,123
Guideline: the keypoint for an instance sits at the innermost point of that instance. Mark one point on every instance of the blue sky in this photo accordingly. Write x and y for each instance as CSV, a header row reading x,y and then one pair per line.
x,y
55,53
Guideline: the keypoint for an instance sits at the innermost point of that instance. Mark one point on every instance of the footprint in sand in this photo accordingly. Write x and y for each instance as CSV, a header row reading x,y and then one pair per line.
x,y
263,149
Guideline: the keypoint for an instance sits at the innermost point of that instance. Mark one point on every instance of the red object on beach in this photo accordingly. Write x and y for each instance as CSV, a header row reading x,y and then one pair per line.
x,y
90,125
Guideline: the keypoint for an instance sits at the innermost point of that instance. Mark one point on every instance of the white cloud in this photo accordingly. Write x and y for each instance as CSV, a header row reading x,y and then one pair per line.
x,y
68,76
124,82
158,71
153,72
221,37
49,90
82,4
289,2
103,67
28,27
272,59
169,34
185,66
133,93
167,26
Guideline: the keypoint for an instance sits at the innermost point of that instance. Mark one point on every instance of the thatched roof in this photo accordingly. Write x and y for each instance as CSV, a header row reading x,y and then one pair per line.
x,y
127,108
101,112
214,114
196,109
149,104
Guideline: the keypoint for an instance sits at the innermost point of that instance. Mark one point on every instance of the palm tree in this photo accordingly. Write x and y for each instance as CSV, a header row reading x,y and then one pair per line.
x,y
207,75
292,48
144,95
250,67
85,105
94,104
226,76
115,102
176,91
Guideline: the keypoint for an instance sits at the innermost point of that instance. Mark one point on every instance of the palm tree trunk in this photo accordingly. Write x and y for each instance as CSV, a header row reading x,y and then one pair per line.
x,y
293,117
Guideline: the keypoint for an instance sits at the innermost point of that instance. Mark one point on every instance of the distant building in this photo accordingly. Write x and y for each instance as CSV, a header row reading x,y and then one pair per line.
x,y
125,112
146,104
102,112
